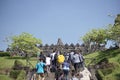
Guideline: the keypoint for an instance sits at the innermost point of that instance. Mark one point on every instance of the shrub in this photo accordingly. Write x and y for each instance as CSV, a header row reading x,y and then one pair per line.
x,y
18,65
119,60
5,77
34,55
14,73
107,71
2,54
22,75
105,60
99,75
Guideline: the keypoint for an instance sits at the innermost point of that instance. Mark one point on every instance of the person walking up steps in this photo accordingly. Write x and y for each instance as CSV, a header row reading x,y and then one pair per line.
x,y
81,64
66,69
76,61
59,74
40,70
48,63
60,60
42,56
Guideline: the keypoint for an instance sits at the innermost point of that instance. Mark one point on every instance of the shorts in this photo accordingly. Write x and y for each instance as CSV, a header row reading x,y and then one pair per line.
x,y
40,76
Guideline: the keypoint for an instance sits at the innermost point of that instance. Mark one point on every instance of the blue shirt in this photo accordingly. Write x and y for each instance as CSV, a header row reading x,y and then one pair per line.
x,y
66,66
40,67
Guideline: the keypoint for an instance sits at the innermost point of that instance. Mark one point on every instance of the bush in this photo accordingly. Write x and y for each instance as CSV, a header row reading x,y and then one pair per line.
x,y
18,65
119,60
5,77
105,60
2,54
22,75
100,75
14,73
107,71
34,55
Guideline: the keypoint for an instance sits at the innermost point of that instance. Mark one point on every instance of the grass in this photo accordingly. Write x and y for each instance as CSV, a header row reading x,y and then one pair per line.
x,y
6,64
89,59
5,77
112,55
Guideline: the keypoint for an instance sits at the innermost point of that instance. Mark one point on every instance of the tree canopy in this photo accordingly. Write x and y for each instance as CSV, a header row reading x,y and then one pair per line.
x,y
95,36
25,42
101,36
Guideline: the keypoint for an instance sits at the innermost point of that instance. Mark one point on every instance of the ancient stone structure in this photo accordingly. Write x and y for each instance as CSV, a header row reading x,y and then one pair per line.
x,y
67,47
60,46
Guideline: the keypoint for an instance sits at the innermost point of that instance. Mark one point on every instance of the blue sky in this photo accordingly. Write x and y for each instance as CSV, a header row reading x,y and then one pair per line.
x,y
49,20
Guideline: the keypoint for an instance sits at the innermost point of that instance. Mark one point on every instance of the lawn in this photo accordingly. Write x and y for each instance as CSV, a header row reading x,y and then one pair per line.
x,y
5,77
6,64
113,56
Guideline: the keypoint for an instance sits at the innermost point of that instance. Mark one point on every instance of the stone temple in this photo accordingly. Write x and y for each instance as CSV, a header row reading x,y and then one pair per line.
x,y
68,47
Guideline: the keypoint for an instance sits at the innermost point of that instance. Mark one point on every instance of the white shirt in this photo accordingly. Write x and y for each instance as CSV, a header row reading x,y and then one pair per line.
x,y
76,58
52,55
48,59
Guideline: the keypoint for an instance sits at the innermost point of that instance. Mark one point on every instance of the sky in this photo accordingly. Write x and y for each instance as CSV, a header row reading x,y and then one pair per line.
x,y
49,20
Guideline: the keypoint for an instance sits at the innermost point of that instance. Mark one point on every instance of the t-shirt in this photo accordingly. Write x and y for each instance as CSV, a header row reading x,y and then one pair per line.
x,y
66,66
48,59
76,58
52,55
40,67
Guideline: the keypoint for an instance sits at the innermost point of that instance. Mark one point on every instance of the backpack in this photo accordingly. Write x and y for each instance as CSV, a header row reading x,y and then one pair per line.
x,y
66,66
60,58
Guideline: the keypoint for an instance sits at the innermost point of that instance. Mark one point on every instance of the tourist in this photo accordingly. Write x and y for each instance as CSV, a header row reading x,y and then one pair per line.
x,y
42,56
40,69
60,60
81,64
66,54
59,74
52,57
66,69
71,56
76,61
48,63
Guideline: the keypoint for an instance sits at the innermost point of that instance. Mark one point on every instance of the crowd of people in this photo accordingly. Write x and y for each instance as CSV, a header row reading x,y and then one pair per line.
x,y
65,65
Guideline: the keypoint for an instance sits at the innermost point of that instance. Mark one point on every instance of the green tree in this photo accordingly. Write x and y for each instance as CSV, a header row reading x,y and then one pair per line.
x,y
117,20
114,31
95,37
101,36
24,42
